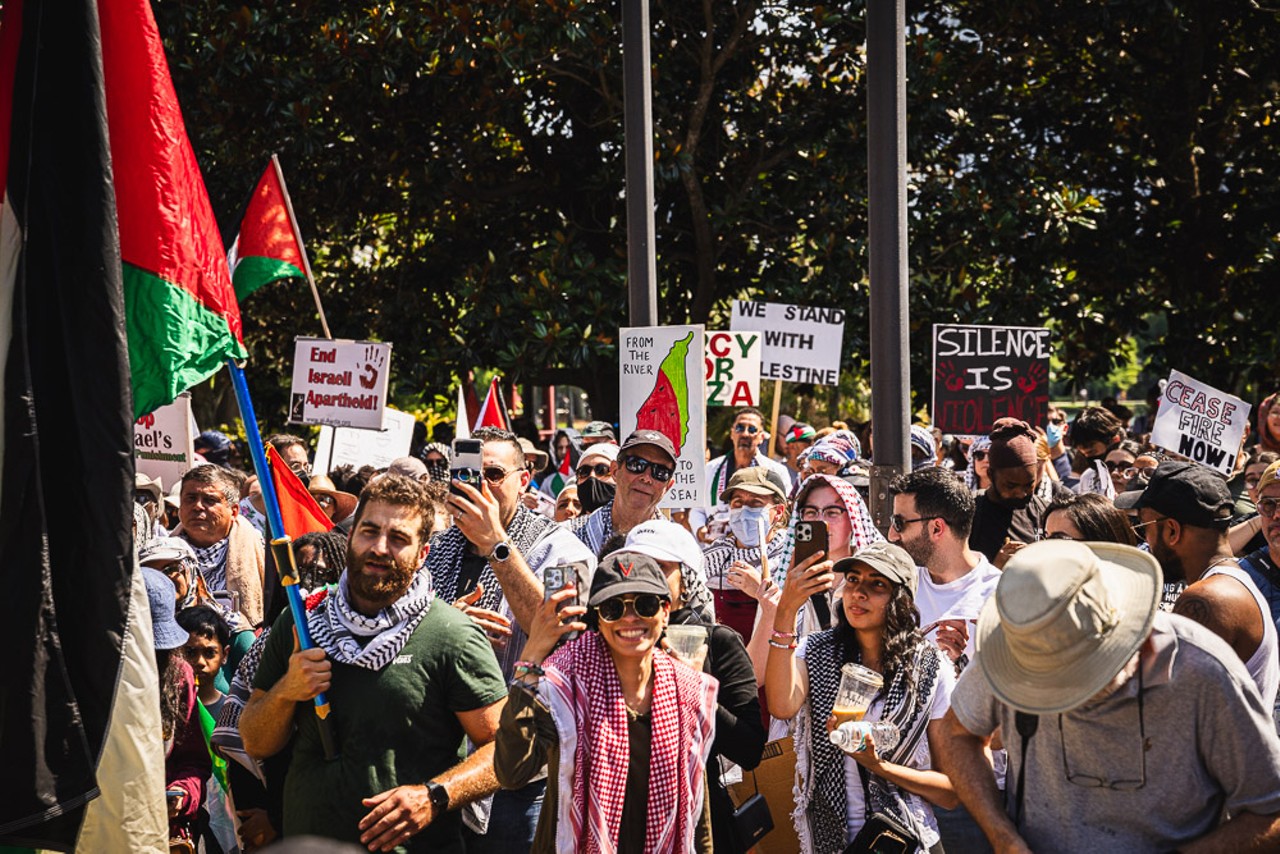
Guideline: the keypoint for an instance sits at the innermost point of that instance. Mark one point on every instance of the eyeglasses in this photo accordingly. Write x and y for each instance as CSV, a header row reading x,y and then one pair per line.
x,y
1133,471
830,513
300,468
1058,535
497,474
144,498
1090,782
1138,526
646,606
749,429
325,500
979,455
599,470
1267,507
900,524
659,472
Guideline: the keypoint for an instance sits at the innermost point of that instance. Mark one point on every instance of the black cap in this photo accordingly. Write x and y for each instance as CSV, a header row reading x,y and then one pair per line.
x,y
650,437
627,572
1185,492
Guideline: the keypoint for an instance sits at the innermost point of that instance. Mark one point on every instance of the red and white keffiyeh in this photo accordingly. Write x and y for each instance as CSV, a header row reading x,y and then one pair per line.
x,y
584,694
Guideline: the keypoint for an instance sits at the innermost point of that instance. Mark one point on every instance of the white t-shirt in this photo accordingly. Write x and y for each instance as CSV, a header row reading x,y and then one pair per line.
x,y
961,599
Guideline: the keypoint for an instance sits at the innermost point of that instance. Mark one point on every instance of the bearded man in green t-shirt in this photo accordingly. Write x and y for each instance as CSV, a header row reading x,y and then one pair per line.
x,y
408,679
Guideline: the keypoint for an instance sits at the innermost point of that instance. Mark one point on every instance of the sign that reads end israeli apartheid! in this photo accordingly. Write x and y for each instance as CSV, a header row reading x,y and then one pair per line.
x,y
1200,423
662,387
984,373
162,445
733,368
801,344
340,383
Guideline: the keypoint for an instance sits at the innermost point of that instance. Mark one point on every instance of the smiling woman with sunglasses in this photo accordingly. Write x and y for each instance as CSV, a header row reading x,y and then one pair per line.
x,y
623,729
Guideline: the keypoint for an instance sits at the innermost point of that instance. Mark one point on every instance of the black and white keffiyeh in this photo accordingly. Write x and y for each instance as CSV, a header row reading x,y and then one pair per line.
x,y
212,563
444,561
335,624
821,805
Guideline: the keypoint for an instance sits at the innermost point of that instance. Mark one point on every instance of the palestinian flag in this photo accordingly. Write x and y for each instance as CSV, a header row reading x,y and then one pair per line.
x,y
492,412
181,313
556,482
81,757
298,508
268,247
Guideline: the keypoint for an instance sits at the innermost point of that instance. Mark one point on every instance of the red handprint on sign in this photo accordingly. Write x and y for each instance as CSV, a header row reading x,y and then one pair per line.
x,y
1036,374
369,377
946,374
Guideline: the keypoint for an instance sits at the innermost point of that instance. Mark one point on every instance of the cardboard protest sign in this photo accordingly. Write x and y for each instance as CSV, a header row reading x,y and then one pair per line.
x,y
162,445
340,383
663,388
733,368
983,373
1200,423
801,343
339,446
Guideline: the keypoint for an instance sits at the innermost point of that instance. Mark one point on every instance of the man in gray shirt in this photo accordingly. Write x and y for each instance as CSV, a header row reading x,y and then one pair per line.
x,y
1128,729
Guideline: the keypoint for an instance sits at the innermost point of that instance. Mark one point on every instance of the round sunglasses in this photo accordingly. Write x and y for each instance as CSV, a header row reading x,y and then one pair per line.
x,y
646,606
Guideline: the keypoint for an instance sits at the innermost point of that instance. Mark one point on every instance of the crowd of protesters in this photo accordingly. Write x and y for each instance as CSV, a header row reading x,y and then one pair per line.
x,y
1070,634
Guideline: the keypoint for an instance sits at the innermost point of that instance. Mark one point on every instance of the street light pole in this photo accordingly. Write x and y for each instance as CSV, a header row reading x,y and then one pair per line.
x,y
637,103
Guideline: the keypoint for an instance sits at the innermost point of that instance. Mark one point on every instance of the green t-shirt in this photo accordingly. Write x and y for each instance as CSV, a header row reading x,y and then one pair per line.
x,y
393,727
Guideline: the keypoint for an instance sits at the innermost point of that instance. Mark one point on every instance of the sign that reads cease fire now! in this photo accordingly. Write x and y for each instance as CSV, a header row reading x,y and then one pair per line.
x,y
340,383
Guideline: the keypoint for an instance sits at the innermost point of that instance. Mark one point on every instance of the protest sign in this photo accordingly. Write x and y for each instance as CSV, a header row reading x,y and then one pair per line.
x,y
663,388
733,368
983,373
340,383
162,445
1200,423
801,344
339,446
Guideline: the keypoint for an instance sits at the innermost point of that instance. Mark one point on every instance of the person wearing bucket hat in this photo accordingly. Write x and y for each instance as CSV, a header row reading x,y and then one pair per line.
x,y
1184,513
1128,729
336,505
748,435
610,716
876,631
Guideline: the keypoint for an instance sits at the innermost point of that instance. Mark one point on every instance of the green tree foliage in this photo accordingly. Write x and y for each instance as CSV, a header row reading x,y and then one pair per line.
x,y
458,171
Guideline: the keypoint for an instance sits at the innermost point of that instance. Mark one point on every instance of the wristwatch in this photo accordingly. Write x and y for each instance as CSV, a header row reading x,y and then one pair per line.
x,y
501,552
439,796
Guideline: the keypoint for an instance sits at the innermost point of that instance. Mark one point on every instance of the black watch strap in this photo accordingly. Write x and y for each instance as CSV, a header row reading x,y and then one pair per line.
x,y
439,796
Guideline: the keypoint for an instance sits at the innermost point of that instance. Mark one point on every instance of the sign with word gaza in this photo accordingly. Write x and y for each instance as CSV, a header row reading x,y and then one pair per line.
x,y
984,373
733,369
1200,423
162,445
801,344
338,446
340,383
663,388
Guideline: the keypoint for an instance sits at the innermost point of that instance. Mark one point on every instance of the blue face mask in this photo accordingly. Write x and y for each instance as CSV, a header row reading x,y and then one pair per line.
x,y
745,523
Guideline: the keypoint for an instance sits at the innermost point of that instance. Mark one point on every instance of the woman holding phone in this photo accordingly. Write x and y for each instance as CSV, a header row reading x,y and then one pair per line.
x,y
877,627
623,728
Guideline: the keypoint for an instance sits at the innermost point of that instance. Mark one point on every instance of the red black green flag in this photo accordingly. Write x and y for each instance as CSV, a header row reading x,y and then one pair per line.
x,y
267,248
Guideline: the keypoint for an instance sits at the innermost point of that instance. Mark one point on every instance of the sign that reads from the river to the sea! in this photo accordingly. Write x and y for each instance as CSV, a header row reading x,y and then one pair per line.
x,y
801,343
984,373
662,387
1200,423
340,383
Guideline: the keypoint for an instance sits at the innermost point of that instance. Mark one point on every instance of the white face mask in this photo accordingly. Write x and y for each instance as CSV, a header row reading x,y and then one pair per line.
x,y
745,522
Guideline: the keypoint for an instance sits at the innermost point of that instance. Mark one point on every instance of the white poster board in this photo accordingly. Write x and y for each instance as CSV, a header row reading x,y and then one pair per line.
x,y
339,382
162,442
733,368
801,343
663,387
1200,423
339,446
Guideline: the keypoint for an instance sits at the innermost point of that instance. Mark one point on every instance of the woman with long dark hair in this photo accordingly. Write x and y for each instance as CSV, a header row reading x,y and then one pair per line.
x,y
877,627
1090,517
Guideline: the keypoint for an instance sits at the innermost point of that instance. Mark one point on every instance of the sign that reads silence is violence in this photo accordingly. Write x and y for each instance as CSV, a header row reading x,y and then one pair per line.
x,y
162,442
340,383
733,369
984,373
662,388
1200,422
801,343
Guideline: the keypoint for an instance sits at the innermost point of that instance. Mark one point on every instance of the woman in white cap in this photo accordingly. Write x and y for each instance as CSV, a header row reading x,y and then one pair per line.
x,y
877,627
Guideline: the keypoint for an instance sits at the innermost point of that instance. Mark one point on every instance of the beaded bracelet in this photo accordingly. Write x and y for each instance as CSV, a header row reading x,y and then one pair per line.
x,y
778,634
773,643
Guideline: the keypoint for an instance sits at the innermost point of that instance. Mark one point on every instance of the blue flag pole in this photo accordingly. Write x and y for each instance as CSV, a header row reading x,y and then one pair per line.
x,y
281,542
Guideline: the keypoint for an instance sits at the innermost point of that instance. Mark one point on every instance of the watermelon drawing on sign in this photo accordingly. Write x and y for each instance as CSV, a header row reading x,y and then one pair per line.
x,y
666,409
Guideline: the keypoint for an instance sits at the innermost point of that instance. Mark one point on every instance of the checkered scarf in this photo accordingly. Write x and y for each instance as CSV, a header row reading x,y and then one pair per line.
x,y
584,695
444,561
821,807
863,530
335,624
212,563
982,443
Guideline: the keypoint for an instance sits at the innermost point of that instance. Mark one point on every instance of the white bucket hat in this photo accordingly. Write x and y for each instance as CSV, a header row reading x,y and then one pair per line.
x,y
1066,617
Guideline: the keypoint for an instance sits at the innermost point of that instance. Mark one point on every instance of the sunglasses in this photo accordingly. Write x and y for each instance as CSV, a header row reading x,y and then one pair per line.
x,y
646,606
657,471
749,429
497,474
1114,465
599,470
1267,507
979,455
900,524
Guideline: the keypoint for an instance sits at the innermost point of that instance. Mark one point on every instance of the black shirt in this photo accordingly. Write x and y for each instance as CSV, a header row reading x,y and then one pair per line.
x,y
993,522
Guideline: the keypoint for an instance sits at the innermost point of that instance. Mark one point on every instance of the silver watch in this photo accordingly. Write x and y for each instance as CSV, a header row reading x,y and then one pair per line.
x,y
501,552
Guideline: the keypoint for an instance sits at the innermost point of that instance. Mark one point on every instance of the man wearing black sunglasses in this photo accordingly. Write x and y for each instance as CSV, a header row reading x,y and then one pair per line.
x,y
644,471
748,435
